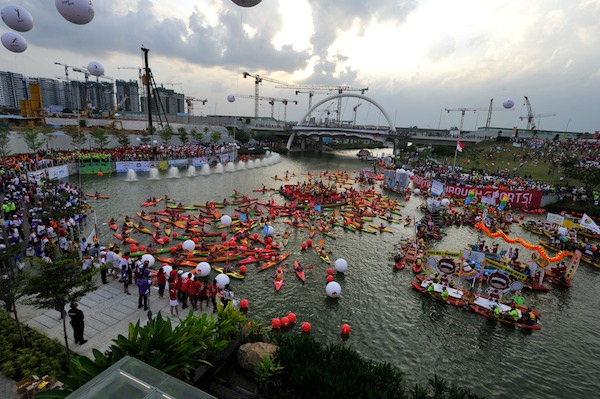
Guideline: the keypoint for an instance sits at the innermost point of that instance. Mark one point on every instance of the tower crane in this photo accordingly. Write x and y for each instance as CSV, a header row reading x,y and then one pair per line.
x,y
354,113
272,101
464,110
86,73
531,116
257,80
190,103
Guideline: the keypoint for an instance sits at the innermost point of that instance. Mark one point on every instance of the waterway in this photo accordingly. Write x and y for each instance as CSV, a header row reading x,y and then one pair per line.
x,y
390,321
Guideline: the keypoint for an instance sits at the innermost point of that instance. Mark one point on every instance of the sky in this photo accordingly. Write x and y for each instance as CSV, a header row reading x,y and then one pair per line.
x,y
417,57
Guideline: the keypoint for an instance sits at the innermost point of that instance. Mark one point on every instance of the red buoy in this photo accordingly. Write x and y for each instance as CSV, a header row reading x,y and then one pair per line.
x,y
345,329
306,327
173,250
285,321
330,278
276,323
330,271
243,269
292,317
244,304
100,174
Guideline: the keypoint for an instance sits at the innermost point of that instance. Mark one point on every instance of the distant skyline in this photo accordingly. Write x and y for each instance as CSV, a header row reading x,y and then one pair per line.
x,y
417,57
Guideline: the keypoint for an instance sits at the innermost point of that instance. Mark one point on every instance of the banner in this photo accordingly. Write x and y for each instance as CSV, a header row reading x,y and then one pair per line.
x,y
437,188
178,163
477,256
505,268
554,218
518,198
199,161
138,166
443,253
55,172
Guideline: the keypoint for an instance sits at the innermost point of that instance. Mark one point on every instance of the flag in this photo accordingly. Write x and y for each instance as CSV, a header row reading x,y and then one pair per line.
x,y
589,224
459,146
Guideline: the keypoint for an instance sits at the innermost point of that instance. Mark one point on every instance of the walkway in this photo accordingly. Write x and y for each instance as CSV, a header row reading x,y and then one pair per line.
x,y
108,312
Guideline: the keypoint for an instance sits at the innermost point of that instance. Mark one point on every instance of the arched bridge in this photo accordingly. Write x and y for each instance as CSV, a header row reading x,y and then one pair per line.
x,y
334,128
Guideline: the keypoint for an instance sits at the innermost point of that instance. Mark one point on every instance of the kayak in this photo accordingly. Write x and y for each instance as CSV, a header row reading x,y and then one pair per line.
x,y
400,265
299,273
167,230
229,273
285,241
98,196
455,297
277,260
142,229
279,283
113,226
382,229
160,240
126,239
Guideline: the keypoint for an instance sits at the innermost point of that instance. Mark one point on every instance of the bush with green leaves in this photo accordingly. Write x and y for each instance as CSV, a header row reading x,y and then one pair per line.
x,y
42,355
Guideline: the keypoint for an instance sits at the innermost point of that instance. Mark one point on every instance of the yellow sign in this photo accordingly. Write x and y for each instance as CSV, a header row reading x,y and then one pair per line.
x,y
505,268
443,253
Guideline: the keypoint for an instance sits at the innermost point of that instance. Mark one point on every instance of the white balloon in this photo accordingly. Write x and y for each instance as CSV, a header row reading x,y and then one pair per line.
x,y
14,42
246,3
333,289
203,269
340,265
95,68
17,18
188,245
508,103
226,220
149,258
222,280
79,12
231,98
167,269
445,202
417,191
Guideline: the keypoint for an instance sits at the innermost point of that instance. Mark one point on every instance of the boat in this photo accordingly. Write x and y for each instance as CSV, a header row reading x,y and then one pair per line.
x,y
400,264
230,273
278,259
381,229
455,297
126,239
299,273
98,196
285,241
483,306
142,229
278,283
160,240
113,226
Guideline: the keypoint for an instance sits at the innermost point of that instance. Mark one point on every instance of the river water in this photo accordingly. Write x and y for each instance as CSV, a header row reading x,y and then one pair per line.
x,y
390,321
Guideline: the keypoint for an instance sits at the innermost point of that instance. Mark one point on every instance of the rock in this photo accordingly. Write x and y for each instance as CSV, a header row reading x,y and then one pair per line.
x,y
250,354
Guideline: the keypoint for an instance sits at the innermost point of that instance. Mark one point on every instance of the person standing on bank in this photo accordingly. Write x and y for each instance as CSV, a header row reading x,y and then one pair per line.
x,y
143,282
77,322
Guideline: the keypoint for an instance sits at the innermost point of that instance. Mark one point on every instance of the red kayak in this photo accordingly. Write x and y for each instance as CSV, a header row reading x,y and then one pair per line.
x,y
278,283
126,239
160,240
400,265
299,273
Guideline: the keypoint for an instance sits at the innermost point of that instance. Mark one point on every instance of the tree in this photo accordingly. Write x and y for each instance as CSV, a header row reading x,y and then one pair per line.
x,y
166,134
215,137
58,283
196,135
122,138
4,141
242,136
32,139
183,135
575,169
100,137
147,135
12,287
77,138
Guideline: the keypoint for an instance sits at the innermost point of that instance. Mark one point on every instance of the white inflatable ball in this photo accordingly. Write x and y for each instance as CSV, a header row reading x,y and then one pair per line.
x,y
188,245
246,3
79,12
508,103
17,18
226,220
340,265
187,275
95,68
333,289
167,269
445,202
203,269
231,98
149,258
222,280
417,191
14,42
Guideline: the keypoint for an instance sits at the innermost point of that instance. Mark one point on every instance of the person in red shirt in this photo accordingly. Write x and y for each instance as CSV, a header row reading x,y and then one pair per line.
x,y
193,286
161,280
213,292
183,291
173,302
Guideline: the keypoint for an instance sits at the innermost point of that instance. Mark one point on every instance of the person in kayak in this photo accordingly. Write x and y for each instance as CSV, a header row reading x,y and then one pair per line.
x,y
445,294
279,274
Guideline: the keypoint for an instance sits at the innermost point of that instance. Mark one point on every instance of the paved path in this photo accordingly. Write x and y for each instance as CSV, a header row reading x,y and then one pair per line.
x,y
108,312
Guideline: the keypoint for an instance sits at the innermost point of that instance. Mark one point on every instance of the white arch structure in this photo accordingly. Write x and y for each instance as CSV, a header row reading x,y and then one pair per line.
x,y
362,96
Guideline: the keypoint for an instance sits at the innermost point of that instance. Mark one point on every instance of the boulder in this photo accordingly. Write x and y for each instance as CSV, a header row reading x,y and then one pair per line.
x,y
250,354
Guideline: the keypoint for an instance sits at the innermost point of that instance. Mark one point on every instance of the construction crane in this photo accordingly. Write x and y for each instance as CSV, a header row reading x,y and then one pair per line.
x,y
117,107
257,81
323,89
311,93
190,103
354,109
139,69
272,101
86,73
490,109
531,116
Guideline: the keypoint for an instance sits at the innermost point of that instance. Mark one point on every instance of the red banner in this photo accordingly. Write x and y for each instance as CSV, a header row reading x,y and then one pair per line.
x,y
517,198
